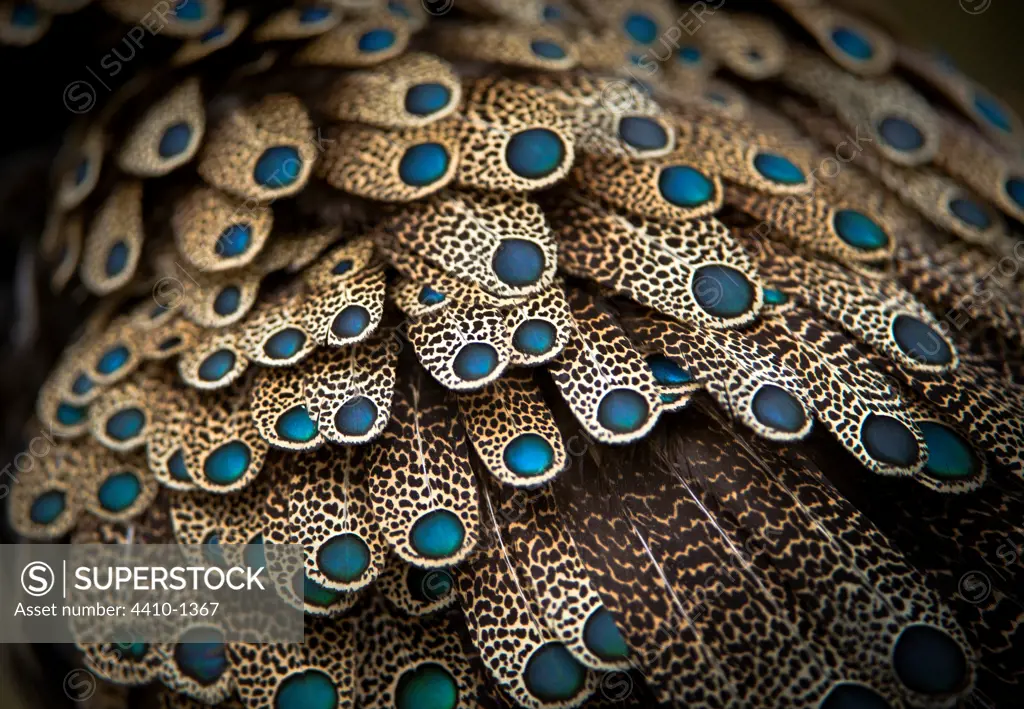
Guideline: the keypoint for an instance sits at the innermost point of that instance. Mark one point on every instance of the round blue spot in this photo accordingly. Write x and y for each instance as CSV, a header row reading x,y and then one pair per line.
x,y
889,441
125,424
667,372
344,558
853,43
175,140
428,686
685,187
227,301
351,322
553,674
189,10
316,13
137,651
112,360
722,291
227,463
217,365
518,262
950,456
24,14
213,552
859,231
423,164
528,455
425,99
200,655
176,466
356,416
342,267
428,585
900,134
277,167
313,593
623,411
475,361
641,28
853,696
970,212
117,259
643,133
376,40
255,556
992,111
920,341
929,661
398,9
776,408
602,636
119,492
213,33
295,425
776,168
1015,190
311,689
534,337
689,55
82,385
81,171
546,49
234,241
68,415
429,296
437,534
552,13
285,344
47,507
535,153
775,297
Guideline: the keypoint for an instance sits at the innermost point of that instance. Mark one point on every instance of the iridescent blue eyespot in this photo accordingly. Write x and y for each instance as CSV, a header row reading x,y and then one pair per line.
x,y
474,361
81,171
775,297
189,10
313,593
376,40
643,133
125,424
112,360
310,689
119,492
992,111
641,28
437,534
254,555
213,552
24,14
900,134
342,267
217,365
234,241
667,372
351,322
82,385
889,441
929,661
398,9
117,259
343,558
602,636
722,291
777,409
859,231
528,455
295,425
176,466
356,416
779,169
684,186
200,655
950,456
546,49
689,55
534,337
175,140
970,212
852,43
285,344
68,415
47,507
535,153
553,674
920,341
227,463
428,686
847,695
518,262
552,13
623,411
426,99
428,296
227,301
279,166
213,33
423,164
315,13
1015,190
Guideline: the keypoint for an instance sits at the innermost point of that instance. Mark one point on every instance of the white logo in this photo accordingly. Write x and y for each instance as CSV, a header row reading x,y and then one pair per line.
x,y
37,578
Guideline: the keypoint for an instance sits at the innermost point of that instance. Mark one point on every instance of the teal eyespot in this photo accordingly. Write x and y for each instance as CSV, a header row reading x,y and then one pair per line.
x,y
1015,191
285,344
279,166
889,441
342,267
119,492
234,241
68,415
356,416
217,365
213,33
175,140
189,10
950,456
859,231
314,593
534,337
970,212
900,134
311,689
170,343
227,301
722,291
852,43
47,507
125,424
376,40
777,168
227,463
213,553
623,411
689,55
117,259
528,455
428,686
437,535
643,133
775,297
295,425
684,186
254,555
313,14
777,409
518,262
112,360
535,153
992,111
344,558
602,636
398,9
920,341
176,466
351,322
136,651
82,385
423,164
546,49
667,372
427,99
553,675
428,296
475,361
200,655
929,661
641,28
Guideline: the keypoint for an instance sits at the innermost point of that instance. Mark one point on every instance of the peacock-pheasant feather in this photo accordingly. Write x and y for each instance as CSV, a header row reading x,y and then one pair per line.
x,y
582,344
